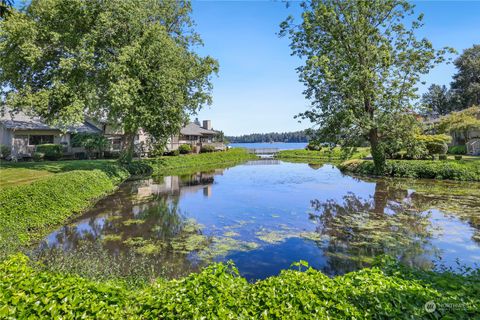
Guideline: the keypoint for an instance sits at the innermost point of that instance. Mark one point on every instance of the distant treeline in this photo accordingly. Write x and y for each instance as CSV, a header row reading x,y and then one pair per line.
x,y
297,136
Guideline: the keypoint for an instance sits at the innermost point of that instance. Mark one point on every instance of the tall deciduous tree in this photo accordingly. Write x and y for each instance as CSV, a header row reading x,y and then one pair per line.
x,y
362,64
128,62
466,82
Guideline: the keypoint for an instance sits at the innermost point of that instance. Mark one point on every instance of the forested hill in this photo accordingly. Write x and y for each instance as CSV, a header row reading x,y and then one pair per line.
x,y
297,136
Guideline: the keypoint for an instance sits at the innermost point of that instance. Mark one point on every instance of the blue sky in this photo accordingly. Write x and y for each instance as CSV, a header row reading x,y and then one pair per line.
x,y
257,89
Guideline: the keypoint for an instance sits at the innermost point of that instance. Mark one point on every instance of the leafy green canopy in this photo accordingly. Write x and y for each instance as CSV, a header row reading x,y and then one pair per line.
x,y
361,67
127,62
461,121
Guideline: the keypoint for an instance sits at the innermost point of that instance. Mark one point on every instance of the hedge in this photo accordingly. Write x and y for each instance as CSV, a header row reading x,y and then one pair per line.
x,y
387,291
427,169
28,211
50,151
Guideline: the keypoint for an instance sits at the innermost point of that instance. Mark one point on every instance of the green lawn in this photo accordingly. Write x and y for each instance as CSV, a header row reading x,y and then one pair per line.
x,y
326,154
18,173
17,176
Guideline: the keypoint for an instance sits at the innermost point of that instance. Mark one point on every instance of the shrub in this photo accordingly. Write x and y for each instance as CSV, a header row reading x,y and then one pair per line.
x,y
185,148
92,142
458,157
51,151
442,157
386,291
172,153
138,168
111,154
313,146
207,148
457,150
436,147
467,171
5,151
38,156
435,143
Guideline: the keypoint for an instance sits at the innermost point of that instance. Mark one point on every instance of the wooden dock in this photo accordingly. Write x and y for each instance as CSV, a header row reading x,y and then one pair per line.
x,y
264,151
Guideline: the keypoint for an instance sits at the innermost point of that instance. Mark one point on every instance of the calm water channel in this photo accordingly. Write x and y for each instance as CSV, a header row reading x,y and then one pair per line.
x,y
265,215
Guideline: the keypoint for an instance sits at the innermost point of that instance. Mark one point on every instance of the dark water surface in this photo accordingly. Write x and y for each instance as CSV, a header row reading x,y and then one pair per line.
x,y
265,215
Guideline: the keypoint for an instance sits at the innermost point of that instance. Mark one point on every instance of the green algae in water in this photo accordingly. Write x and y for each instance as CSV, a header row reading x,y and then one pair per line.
x,y
275,236
130,222
112,237
113,218
221,246
231,234
149,248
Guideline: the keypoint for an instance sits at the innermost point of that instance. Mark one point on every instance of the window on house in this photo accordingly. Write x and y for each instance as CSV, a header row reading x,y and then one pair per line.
x,y
116,144
34,140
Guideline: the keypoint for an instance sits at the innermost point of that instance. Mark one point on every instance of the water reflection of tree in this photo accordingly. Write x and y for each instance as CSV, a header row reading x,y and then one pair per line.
x,y
359,229
152,220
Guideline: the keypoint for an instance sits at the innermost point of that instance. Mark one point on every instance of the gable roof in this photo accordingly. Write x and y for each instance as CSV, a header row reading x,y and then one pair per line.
x,y
193,129
19,120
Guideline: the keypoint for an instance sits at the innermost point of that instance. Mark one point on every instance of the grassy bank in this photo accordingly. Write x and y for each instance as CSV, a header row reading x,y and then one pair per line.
x,y
386,292
425,169
28,212
18,173
323,155
197,162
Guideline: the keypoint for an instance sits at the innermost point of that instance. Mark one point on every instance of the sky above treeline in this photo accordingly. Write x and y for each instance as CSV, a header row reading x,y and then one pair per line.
x,y
257,89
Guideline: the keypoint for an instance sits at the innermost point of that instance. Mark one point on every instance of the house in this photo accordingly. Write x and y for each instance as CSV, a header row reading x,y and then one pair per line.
x,y
22,133
469,137
197,136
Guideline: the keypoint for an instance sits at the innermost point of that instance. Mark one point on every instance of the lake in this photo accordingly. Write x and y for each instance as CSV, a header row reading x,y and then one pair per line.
x,y
277,145
266,214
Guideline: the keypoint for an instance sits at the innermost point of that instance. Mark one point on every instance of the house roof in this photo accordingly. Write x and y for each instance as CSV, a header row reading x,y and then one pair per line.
x,y
18,120
193,129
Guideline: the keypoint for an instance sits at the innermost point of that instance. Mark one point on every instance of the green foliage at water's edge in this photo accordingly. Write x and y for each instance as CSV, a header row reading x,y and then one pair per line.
x,y
185,164
323,155
425,169
29,211
387,292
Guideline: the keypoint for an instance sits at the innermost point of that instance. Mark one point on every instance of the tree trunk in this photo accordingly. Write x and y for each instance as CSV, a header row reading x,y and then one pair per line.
x,y
128,147
377,151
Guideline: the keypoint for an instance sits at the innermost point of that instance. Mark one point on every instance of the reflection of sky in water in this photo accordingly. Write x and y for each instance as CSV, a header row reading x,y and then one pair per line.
x,y
250,199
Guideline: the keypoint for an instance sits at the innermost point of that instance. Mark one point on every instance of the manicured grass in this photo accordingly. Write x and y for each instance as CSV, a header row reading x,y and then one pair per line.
x,y
326,154
16,176
198,162
465,170
32,171
388,291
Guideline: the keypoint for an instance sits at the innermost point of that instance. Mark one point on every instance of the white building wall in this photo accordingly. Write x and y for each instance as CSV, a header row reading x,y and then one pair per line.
x,y
5,136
